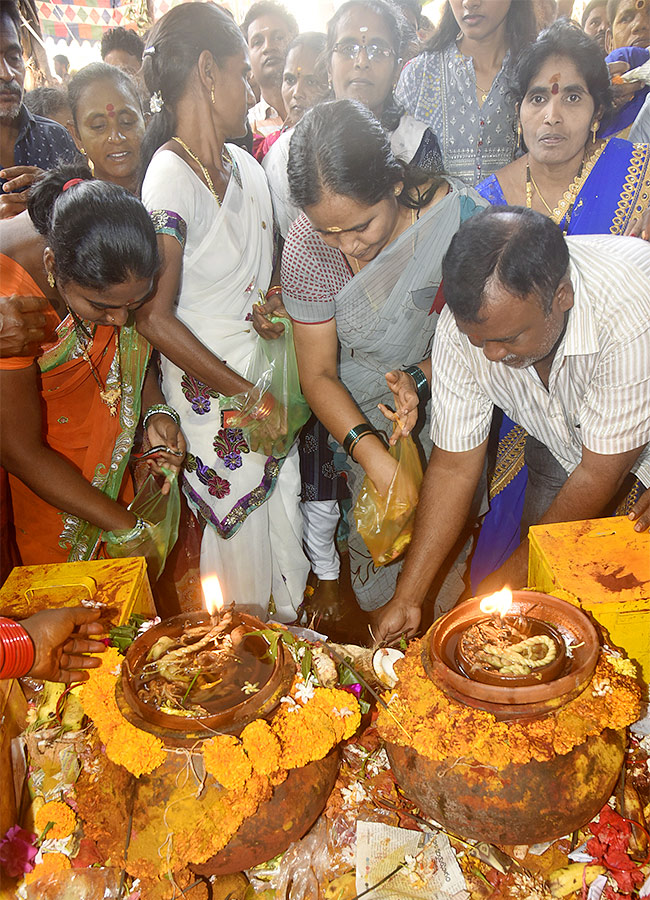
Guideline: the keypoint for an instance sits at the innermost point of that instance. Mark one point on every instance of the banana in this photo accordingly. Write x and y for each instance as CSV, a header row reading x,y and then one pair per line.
x,y
569,879
632,809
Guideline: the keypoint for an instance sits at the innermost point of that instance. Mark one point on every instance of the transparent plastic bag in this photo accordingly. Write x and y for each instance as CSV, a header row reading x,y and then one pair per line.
x,y
386,523
161,512
272,413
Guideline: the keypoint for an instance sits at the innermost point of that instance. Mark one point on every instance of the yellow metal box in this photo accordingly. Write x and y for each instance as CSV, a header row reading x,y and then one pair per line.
x,y
120,585
604,566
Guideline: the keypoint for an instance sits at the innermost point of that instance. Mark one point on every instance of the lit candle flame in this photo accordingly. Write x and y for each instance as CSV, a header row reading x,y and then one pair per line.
x,y
212,594
499,603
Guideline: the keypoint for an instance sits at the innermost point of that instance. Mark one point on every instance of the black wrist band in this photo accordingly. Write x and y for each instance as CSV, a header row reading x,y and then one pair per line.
x,y
354,435
421,383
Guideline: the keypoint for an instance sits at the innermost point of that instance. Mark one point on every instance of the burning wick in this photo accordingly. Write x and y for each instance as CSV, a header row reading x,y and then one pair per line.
x,y
497,604
213,596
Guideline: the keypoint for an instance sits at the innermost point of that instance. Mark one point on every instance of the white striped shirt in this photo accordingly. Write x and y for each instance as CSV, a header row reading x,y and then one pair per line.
x,y
599,387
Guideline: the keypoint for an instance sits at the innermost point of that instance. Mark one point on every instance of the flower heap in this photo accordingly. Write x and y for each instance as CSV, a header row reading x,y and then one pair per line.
x,y
441,728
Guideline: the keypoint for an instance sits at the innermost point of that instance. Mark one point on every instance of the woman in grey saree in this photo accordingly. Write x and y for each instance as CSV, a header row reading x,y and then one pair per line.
x,y
361,272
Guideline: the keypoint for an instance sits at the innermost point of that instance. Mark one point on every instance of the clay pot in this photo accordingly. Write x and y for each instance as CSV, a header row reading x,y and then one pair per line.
x,y
508,701
183,731
519,804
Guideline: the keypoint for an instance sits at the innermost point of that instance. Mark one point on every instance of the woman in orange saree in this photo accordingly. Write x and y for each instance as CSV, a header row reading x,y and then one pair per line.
x,y
69,417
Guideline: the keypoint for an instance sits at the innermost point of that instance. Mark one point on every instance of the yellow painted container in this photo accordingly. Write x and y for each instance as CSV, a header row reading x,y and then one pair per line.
x,y
120,585
603,565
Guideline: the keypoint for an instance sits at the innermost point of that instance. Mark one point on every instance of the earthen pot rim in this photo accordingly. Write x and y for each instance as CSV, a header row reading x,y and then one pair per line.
x,y
150,718
569,620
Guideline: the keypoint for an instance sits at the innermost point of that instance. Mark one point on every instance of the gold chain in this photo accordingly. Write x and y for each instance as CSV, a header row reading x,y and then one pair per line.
x,y
110,396
225,157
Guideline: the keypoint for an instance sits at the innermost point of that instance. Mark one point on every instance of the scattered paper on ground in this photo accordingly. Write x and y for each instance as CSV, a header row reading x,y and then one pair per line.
x,y
431,869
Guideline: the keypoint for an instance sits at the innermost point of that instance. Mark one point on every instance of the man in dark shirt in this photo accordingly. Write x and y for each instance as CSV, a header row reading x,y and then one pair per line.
x,y
28,143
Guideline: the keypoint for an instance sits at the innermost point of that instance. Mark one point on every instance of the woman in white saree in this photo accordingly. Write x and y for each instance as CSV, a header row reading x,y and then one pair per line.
x,y
211,207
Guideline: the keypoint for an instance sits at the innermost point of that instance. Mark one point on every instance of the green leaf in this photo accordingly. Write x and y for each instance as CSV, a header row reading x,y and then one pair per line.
x,y
305,664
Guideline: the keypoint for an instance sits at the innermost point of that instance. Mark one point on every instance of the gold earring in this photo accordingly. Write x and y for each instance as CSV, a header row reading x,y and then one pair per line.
x,y
50,279
212,95
519,135
397,190
594,131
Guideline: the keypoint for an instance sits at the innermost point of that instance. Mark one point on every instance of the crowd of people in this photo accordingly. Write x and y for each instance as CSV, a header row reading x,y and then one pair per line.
x,y
450,228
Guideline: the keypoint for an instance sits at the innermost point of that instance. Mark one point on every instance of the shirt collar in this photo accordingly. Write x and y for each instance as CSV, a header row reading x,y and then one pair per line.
x,y
25,121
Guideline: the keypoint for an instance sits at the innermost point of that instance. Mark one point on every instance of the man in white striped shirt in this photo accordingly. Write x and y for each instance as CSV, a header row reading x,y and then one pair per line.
x,y
557,334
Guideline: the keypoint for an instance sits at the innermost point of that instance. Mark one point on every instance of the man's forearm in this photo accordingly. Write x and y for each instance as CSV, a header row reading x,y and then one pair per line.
x,y
448,488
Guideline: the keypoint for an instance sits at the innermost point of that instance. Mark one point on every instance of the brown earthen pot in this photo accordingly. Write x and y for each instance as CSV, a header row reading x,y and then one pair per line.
x,y
518,804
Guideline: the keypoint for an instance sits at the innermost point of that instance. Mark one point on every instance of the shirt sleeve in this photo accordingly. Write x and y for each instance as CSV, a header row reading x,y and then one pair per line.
x,y
461,412
312,275
615,414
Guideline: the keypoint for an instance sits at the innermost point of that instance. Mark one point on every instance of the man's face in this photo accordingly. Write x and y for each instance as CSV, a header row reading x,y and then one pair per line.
x,y
268,38
597,24
517,331
12,70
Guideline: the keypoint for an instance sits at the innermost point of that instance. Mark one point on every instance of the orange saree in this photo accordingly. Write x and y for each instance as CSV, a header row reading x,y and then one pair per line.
x,y
77,424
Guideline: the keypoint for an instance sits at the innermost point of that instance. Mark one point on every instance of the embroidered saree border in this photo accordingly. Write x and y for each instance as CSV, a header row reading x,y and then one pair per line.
x,y
635,194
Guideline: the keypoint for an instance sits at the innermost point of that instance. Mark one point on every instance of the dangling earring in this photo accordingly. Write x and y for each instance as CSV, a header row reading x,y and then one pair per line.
x,y
51,280
519,135
212,95
594,131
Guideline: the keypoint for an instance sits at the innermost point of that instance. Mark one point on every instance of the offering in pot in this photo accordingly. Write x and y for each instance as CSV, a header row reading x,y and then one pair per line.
x,y
509,648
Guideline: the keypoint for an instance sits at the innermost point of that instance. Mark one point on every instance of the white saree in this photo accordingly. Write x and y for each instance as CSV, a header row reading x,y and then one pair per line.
x,y
249,502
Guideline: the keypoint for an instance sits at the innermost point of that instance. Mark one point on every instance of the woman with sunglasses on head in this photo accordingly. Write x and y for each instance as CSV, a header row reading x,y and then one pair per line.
x,y
586,185
70,410
458,85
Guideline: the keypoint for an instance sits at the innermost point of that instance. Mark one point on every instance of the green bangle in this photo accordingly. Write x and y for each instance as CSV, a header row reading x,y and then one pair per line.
x,y
354,435
161,408
421,384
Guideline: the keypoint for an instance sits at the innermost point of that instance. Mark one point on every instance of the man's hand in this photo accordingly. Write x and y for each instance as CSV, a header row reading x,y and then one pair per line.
x,y
61,637
640,512
15,191
395,619
22,325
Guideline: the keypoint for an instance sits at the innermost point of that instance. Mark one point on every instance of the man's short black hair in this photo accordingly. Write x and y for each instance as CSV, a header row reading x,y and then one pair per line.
x,y
61,58
10,9
122,39
46,101
519,248
269,8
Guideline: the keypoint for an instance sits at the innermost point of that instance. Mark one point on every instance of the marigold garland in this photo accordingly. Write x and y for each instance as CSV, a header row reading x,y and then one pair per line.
x,y
51,863
225,758
60,815
261,744
442,728
138,751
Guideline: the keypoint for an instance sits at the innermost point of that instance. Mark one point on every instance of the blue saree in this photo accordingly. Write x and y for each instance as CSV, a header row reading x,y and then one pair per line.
x,y
613,189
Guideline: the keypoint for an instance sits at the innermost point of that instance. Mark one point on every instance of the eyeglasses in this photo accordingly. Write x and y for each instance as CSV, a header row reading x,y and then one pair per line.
x,y
352,49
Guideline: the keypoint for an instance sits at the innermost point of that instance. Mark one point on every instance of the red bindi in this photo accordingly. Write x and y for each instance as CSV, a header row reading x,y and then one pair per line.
x,y
110,109
555,86
555,89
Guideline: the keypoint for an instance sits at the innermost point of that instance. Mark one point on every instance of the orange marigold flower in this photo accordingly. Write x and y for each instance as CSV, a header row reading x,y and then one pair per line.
x,y
60,815
305,735
51,863
225,758
262,746
341,708
138,751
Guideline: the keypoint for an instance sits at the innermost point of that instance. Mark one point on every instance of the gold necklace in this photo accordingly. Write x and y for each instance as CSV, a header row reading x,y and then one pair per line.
x,y
484,93
530,183
225,158
110,396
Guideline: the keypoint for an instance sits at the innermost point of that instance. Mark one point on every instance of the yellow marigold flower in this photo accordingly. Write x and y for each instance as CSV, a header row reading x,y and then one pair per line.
x,y
305,735
622,666
52,862
60,815
341,707
262,746
225,758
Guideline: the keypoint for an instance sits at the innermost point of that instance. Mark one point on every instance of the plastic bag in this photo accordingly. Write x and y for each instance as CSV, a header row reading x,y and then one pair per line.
x,y
161,512
271,423
386,523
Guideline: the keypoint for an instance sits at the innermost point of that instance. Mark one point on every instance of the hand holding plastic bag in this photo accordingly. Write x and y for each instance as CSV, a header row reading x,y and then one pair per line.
x,y
155,535
272,413
386,523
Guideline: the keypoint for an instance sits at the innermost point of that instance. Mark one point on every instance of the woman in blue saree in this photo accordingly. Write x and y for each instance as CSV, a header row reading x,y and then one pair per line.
x,y
587,186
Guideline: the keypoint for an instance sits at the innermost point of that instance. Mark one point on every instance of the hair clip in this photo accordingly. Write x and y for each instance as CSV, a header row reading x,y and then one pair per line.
x,y
72,183
150,51
156,102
